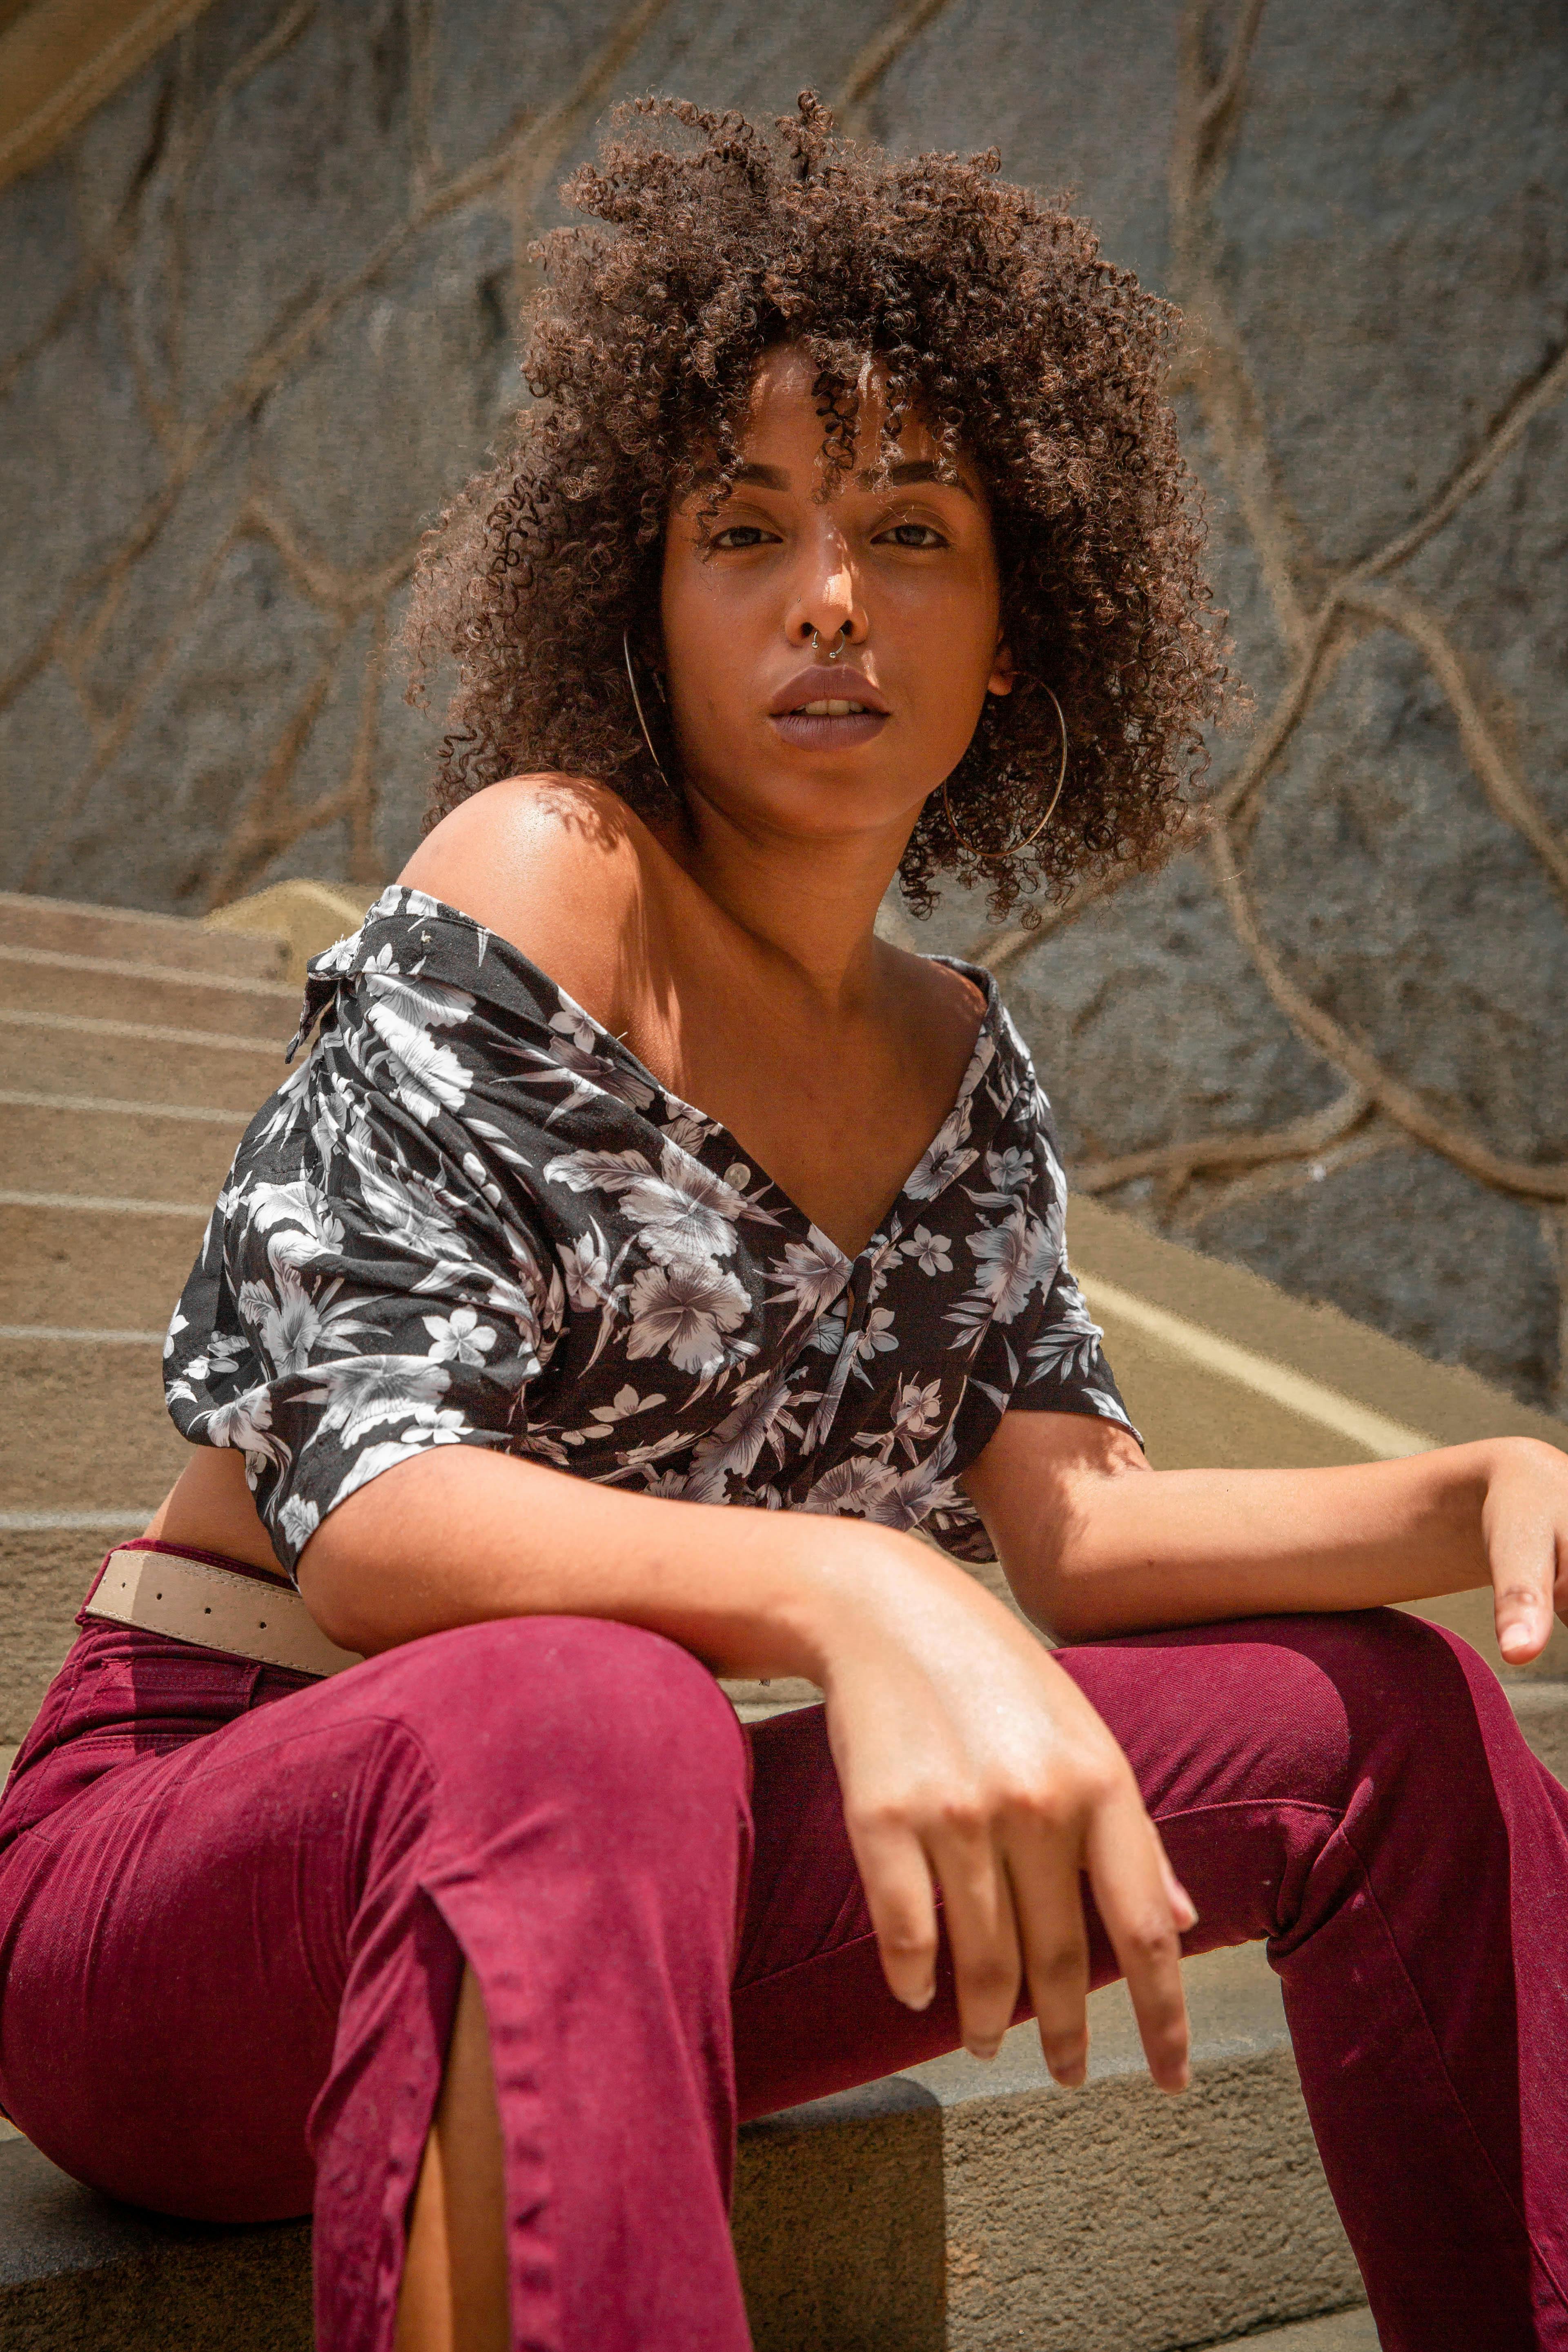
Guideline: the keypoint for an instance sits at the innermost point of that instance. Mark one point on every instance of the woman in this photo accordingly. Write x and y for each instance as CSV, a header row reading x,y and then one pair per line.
x,y
629,1175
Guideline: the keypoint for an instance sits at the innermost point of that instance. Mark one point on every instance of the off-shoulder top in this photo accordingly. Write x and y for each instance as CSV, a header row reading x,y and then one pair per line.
x,y
472,1217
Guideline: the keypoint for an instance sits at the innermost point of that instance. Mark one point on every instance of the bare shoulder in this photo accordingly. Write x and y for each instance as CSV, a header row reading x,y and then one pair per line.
x,y
558,864
946,1006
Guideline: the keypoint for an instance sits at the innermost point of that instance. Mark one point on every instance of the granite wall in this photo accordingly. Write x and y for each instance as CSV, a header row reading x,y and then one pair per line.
x,y
258,317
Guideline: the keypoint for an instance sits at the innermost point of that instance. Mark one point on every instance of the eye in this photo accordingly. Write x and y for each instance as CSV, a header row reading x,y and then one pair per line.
x,y
913,534
741,534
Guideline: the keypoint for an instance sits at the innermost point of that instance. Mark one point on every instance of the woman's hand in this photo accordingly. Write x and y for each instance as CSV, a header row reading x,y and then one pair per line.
x,y
969,1763
1524,1526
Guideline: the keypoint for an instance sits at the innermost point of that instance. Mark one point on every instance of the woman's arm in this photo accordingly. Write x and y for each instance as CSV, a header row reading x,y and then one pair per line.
x,y
967,1760
1093,1541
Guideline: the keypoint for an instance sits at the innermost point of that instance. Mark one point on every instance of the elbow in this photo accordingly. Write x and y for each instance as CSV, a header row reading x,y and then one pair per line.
x,y
1066,1601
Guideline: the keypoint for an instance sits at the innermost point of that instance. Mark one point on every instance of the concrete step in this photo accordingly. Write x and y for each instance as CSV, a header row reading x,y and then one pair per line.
x,y
126,934
956,2208
87,1428
1340,2331
96,1266
55,1146
45,980
146,1062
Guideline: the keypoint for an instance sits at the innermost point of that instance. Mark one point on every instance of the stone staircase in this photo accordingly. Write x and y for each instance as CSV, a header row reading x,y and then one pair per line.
x,y
956,2206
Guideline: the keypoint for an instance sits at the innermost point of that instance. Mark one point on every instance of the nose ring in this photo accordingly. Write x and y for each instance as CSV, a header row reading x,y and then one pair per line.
x,y
842,633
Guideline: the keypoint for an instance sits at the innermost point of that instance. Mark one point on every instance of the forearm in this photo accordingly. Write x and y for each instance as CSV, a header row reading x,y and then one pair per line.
x,y
457,1536
1185,1546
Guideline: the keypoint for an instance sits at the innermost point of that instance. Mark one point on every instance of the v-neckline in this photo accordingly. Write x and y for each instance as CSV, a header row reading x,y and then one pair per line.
x,y
618,1052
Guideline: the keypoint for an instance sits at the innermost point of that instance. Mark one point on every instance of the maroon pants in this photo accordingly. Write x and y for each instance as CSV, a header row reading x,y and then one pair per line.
x,y
233,1911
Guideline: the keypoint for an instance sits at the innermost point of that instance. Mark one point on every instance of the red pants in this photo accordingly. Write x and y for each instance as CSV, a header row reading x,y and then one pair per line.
x,y
234,1910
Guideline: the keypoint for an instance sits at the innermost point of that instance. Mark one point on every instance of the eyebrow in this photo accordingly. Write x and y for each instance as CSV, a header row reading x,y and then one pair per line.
x,y
897,477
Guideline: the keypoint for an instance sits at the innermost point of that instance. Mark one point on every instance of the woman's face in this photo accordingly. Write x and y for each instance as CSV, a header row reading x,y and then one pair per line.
x,y
900,579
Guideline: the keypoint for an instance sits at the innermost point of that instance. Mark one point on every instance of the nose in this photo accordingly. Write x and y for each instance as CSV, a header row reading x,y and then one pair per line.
x,y
825,604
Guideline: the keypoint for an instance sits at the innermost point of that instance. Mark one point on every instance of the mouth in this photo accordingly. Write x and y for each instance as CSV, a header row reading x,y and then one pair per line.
x,y
826,708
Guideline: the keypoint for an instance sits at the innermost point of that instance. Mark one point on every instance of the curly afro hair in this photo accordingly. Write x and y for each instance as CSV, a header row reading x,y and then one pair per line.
x,y
986,310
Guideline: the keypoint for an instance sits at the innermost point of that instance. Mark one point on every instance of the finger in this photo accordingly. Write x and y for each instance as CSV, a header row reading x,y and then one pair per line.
x,y
982,1934
1122,1856
1523,1554
1522,1603
1048,1902
901,1900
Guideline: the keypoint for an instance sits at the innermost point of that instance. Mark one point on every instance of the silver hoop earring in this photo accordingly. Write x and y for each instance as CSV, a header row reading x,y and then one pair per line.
x,y
636,705
833,651
1012,849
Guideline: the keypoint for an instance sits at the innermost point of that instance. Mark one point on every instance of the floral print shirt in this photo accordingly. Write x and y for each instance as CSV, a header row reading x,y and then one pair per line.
x,y
472,1217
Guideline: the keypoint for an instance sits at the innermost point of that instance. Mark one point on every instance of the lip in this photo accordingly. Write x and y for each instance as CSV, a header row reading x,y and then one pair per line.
x,y
828,682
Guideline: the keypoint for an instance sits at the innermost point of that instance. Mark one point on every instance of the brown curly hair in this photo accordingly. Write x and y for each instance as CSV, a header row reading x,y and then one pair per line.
x,y
987,310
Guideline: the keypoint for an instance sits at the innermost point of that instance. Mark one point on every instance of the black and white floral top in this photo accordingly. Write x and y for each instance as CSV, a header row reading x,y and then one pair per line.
x,y
471,1217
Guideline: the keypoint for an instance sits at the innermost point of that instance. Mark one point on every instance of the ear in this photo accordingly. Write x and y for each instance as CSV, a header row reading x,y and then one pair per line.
x,y
1001,678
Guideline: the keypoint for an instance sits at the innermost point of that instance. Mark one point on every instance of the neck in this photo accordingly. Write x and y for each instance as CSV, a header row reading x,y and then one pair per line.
x,y
810,903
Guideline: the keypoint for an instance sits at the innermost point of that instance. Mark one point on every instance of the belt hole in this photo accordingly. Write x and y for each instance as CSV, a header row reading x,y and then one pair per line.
x,y
207,1613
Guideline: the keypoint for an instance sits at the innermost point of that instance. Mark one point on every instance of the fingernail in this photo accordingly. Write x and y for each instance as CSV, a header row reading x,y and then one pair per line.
x,y
917,2002
984,2051
1188,1907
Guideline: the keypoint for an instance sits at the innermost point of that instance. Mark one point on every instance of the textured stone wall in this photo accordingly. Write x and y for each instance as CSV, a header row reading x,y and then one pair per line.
x,y
258,316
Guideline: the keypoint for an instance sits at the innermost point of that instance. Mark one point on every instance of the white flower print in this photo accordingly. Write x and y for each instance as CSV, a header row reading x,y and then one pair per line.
x,y
735,1446
681,1309
1071,1346
363,1391
458,1337
813,1274
428,1077
857,1485
585,1268
245,1423
293,1326
572,1024
1011,1170
1014,1259
828,1337
686,1130
925,1488
917,1412
299,1520
683,1213
876,1337
933,1253
575,1060
406,1214
939,1167
598,1172
621,1407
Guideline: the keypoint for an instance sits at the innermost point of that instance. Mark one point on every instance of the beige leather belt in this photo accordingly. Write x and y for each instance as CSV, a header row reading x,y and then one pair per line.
x,y
247,1616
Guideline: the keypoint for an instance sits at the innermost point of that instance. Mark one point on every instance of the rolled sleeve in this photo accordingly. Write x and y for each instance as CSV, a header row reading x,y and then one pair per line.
x,y
356,1314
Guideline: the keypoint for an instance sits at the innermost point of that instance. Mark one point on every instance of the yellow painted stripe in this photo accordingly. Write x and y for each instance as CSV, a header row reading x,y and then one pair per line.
x,y
1387,1441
